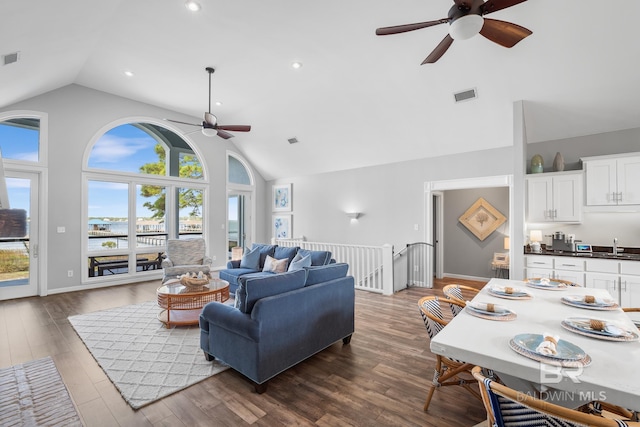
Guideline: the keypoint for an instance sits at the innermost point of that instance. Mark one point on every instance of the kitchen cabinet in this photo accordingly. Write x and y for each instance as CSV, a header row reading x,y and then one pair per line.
x,y
562,268
629,284
620,278
612,180
555,197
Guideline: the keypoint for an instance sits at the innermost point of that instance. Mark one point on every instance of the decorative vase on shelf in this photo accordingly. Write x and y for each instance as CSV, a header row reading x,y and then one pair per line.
x,y
558,162
537,164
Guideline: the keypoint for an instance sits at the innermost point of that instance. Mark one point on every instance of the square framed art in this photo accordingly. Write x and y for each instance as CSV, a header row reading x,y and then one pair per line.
x,y
281,226
482,219
281,198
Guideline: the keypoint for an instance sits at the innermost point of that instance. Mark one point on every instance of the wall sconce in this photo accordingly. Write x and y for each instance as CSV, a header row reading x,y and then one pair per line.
x,y
236,253
353,215
507,243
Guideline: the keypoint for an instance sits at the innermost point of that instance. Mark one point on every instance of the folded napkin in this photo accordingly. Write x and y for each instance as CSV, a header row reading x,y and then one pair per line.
x,y
489,307
590,299
549,344
603,326
509,290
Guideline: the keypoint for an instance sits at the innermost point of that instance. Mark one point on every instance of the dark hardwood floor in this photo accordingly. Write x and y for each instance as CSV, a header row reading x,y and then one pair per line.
x,y
380,379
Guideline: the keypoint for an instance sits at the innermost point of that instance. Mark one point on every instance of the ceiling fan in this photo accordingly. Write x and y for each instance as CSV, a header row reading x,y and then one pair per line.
x,y
465,21
210,126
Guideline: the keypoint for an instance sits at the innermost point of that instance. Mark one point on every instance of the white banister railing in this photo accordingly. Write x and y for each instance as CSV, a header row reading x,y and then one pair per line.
x,y
370,266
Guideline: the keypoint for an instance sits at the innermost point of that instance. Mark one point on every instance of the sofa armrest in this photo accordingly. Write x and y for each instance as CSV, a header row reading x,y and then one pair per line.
x,y
226,317
207,261
234,263
166,262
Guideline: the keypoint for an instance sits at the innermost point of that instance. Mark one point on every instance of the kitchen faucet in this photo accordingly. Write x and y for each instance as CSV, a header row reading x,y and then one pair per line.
x,y
615,246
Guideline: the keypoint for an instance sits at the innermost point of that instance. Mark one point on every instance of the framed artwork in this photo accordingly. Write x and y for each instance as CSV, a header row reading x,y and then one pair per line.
x,y
282,226
281,199
482,219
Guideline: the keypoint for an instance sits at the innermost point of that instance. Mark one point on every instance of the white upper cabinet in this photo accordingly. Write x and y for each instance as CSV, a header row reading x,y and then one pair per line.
x,y
554,197
612,180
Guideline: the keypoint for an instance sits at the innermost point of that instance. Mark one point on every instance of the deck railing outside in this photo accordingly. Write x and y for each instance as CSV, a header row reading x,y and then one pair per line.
x,y
371,266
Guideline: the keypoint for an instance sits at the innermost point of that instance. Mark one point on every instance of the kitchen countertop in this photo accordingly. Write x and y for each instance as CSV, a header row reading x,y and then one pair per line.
x,y
600,252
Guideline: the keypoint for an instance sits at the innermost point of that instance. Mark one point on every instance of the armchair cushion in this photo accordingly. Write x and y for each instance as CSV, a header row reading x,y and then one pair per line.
x,y
251,259
186,252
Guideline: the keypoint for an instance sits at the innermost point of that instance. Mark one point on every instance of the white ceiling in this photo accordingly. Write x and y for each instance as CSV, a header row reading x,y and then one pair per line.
x,y
359,99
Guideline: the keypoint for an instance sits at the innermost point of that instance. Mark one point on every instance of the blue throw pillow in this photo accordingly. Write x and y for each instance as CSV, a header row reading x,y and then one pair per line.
x,y
285,252
251,259
264,251
299,262
317,257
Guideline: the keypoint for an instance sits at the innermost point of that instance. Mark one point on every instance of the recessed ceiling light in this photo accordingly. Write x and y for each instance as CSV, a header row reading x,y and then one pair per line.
x,y
128,73
295,65
218,103
193,6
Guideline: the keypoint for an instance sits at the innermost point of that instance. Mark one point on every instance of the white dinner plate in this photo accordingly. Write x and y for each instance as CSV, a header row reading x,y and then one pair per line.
x,y
566,350
612,331
600,304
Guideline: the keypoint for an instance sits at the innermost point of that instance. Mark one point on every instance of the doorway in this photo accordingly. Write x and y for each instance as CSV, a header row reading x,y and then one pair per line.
x,y
238,220
19,271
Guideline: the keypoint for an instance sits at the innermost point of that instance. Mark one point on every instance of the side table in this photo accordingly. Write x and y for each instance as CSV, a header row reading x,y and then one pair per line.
x,y
181,306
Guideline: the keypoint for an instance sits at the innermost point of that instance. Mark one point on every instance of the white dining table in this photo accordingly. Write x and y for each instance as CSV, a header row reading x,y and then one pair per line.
x,y
613,374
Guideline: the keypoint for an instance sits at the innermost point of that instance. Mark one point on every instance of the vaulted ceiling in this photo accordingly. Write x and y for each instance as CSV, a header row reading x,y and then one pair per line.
x,y
358,99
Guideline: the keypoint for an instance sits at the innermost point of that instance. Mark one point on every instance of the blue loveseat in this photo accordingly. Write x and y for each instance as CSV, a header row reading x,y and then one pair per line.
x,y
241,268
280,320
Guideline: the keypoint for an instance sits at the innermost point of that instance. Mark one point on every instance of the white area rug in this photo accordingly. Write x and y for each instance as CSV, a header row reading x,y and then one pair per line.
x,y
143,359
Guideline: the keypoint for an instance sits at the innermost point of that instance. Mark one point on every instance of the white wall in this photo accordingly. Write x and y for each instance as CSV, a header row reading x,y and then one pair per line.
x,y
75,114
391,197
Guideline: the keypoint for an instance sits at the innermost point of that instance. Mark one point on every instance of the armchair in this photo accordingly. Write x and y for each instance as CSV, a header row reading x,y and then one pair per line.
x,y
185,256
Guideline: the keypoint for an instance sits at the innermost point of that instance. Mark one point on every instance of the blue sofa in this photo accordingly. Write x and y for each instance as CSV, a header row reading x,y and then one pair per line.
x,y
235,269
281,320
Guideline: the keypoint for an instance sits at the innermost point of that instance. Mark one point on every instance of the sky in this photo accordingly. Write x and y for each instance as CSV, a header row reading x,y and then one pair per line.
x,y
124,148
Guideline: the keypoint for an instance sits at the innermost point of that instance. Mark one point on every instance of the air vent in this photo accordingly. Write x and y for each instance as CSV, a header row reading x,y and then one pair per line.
x,y
10,58
465,95
293,140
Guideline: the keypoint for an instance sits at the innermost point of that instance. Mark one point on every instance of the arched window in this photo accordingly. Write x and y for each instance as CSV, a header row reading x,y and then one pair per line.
x,y
144,184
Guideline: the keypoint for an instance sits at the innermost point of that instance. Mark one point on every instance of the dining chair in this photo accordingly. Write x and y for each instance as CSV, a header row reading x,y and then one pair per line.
x,y
460,294
507,407
436,315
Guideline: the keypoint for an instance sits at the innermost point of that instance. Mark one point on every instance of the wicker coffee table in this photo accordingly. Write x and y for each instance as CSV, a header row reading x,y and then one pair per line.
x,y
182,306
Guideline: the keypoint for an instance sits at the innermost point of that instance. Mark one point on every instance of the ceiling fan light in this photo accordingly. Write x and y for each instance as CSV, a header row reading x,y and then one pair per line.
x,y
466,27
209,132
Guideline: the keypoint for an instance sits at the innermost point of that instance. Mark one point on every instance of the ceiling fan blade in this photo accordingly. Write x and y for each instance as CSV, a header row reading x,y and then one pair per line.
x,y
495,5
184,123
504,33
385,31
439,50
223,134
235,128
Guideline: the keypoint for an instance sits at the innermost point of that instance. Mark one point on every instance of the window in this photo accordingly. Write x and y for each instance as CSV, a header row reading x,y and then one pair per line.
x,y
20,139
144,184
240,206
